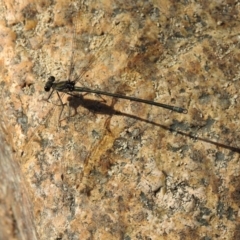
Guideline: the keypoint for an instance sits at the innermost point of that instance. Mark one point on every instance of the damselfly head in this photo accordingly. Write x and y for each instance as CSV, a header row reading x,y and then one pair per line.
x,y
49,83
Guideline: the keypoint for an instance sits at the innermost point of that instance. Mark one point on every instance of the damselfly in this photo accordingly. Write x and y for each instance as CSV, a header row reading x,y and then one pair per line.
x,y
69,85
69,88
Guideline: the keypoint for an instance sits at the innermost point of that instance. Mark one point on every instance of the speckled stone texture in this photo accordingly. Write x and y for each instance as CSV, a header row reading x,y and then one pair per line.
x,y
115,169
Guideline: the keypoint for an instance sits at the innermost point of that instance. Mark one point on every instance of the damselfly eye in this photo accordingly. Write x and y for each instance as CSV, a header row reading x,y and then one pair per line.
x,y
51,79
49,83
47,88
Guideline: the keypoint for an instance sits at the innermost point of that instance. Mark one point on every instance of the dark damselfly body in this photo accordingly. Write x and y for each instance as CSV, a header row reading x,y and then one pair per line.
x,y
69,88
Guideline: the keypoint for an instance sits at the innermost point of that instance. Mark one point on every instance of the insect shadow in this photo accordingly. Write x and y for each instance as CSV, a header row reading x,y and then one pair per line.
x,y
100,107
